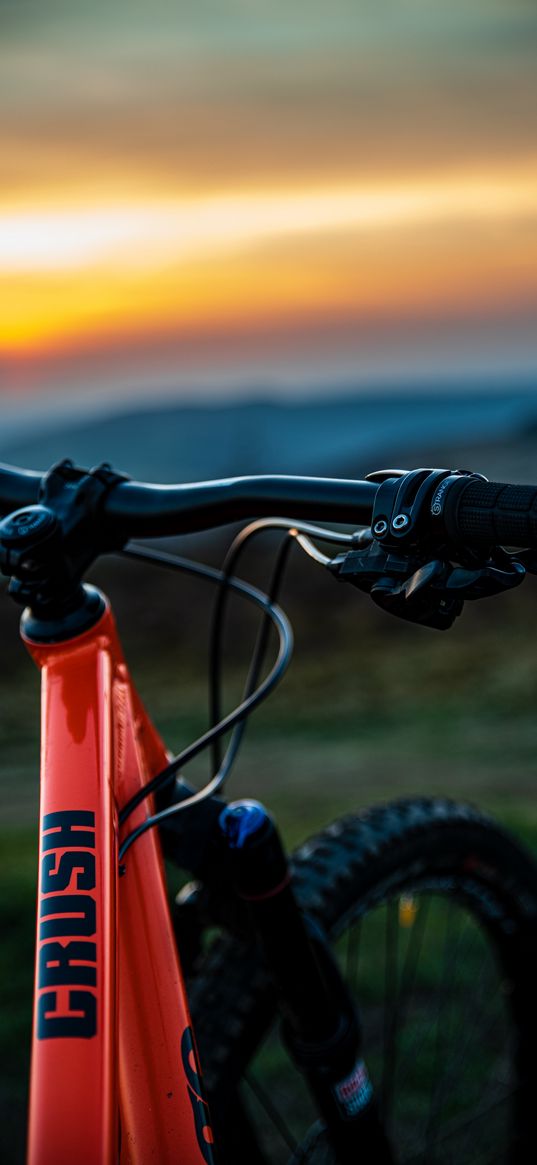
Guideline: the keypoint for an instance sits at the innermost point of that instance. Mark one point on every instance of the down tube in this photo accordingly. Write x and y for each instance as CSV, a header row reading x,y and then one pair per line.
x,y
73,1091
164,1117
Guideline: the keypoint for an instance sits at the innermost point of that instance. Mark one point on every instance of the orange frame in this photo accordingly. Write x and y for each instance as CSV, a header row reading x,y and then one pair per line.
x,y
114,1073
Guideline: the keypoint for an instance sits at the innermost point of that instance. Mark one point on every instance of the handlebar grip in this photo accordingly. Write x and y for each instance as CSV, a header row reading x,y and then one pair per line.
x,y
490,513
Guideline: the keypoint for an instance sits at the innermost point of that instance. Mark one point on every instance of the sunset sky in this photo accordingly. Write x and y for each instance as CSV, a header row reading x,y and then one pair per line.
x,y
264,192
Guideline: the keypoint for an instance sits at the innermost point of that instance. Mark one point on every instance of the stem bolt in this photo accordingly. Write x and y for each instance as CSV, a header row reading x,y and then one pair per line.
x,y
401,522
380,527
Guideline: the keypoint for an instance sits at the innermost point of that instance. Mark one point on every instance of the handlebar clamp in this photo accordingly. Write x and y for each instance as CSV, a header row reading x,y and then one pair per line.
x,y
45,549
407,502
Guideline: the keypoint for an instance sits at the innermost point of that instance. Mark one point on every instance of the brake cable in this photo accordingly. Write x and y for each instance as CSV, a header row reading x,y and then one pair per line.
x,y
283,627
258,655
251,699
301,532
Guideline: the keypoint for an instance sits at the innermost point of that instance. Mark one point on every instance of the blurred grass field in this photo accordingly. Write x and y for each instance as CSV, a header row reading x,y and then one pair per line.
x,y
371,709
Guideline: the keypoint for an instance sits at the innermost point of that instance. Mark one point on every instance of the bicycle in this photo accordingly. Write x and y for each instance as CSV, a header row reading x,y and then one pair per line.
x,y
115,1068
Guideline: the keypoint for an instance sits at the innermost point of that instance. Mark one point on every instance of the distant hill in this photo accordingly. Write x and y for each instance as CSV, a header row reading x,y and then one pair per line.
x,y
172,442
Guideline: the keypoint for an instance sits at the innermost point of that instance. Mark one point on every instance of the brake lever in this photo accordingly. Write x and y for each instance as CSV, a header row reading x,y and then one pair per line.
x,y
430,592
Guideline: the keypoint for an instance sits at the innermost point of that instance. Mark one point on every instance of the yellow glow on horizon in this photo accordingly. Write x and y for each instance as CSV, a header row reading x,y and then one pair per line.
x,y
137,235
89,270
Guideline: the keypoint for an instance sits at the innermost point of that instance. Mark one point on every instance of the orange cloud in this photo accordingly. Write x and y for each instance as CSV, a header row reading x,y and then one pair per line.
x,y
175,175
82,271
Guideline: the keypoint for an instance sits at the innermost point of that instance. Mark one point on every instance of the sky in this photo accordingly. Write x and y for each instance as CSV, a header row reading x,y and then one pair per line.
x,y
240,195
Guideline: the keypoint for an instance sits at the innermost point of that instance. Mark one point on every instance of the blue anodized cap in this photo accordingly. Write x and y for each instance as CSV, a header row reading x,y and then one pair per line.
x,y
242,822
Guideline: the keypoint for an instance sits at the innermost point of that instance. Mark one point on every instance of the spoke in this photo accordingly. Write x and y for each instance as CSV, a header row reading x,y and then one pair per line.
x,y
415,1048
413,952
271,1111
442,1034
460,944
477,1029
390,1010
463,1126
451,1076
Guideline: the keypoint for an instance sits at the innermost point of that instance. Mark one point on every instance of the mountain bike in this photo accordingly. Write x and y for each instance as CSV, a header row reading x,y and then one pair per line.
x,y
371,999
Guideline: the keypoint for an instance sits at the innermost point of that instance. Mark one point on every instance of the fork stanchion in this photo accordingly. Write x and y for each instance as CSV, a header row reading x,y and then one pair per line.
x,y
321,1027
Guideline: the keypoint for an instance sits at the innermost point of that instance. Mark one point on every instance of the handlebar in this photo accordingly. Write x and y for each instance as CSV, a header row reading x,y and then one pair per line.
x,y
18,487
152,510
475,512
142,510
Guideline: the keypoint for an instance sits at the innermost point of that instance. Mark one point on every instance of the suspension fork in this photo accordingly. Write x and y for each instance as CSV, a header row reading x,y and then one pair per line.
x,y
321,1027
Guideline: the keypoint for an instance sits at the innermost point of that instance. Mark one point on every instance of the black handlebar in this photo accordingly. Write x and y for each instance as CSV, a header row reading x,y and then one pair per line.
x,y
153,510
18,487
476,512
